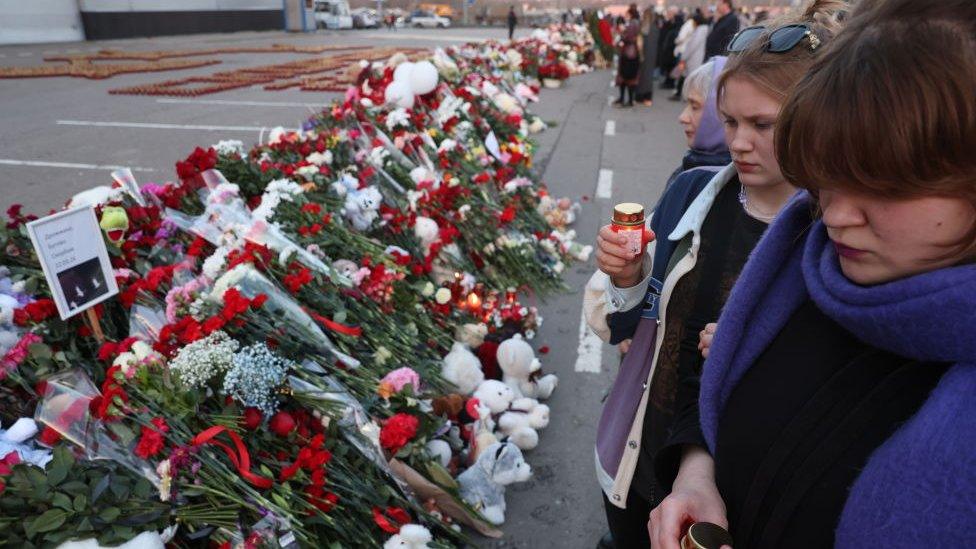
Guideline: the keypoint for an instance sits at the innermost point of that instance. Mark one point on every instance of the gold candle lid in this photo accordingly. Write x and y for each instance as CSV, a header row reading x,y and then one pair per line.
x,y
705,535
628,213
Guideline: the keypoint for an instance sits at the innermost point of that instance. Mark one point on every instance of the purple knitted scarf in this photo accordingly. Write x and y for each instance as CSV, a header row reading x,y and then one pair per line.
x,y
918,489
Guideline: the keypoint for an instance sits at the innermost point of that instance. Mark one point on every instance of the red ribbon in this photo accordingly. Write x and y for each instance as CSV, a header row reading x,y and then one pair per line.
x,y
241,458
354,331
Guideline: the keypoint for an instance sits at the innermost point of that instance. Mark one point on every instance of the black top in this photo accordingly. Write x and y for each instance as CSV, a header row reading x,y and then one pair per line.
x,y
728,235
801,424
721,34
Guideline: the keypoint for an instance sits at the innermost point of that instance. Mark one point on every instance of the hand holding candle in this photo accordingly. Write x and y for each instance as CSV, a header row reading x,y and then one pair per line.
x,y
621,244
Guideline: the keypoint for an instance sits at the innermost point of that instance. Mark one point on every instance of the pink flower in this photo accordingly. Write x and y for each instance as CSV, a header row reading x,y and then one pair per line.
x,y
17,353
401,377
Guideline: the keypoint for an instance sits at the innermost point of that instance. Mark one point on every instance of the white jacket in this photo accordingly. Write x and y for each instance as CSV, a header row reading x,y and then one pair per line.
x,y
694,55
683,35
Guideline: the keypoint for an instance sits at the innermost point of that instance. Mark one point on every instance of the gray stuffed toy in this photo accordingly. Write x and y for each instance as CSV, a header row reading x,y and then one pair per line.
x,y
483,484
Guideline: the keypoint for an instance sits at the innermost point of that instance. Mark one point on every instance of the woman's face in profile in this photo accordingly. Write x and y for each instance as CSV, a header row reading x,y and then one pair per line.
x,y
691,116
880,240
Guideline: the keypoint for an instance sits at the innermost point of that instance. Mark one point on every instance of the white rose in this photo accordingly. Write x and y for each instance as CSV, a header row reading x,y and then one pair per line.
x,y
442,296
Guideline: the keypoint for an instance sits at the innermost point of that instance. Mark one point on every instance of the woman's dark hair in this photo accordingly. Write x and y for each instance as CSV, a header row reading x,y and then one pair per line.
x,y
888,110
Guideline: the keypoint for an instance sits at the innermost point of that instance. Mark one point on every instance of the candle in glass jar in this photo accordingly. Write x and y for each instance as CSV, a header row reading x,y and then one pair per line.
x,y
628,220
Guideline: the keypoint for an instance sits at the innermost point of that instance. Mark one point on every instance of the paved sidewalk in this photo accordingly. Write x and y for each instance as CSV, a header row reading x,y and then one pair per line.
x,y
561,506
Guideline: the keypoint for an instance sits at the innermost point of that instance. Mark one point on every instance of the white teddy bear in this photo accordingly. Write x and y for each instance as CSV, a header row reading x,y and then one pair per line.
x,y
411,536
519,366
483,484
471,334
361,207
494,397
520,423
426,231
462,369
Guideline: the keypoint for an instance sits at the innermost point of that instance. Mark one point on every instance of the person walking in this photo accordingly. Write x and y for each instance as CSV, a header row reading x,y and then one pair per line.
x,y
512,21
650,34
629,63
724,28
680,42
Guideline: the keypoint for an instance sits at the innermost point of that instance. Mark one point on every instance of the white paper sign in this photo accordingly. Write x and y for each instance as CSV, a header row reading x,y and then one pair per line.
x,y
74,258
491,143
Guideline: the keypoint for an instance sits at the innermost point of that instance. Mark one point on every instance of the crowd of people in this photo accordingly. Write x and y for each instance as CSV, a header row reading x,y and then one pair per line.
x,y
665,45
798,358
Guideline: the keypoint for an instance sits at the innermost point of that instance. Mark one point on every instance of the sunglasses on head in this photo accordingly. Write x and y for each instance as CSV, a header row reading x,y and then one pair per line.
x,y
781,40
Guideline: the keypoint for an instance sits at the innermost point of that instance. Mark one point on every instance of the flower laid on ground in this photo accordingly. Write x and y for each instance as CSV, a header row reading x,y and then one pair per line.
x,y
254,377
199,362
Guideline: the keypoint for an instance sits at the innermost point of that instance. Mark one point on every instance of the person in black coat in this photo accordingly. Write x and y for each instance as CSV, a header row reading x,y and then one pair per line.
x,y
666,58
722,31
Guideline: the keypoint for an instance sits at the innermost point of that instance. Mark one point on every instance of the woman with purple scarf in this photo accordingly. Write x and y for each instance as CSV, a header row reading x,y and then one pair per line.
x,y
706,225
839,394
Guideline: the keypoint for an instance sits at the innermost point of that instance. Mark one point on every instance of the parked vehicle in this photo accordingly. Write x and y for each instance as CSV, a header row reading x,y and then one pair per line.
x,y
365,18
427,19
333,14
442,10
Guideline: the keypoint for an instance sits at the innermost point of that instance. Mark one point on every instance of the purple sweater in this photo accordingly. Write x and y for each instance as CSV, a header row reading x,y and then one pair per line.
x,y
918,489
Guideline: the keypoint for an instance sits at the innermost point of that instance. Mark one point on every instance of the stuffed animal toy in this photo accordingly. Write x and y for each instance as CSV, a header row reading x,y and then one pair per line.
x,y
411,536
462,369
522,420
361,207
483,484
115,222
494,396
426,231
439,450
520,369
472,335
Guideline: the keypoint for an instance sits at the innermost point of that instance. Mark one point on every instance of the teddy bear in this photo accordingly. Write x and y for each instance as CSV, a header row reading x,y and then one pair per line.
x,y
494,397
483,484
426,231
361,207
520,423
471,334
462,369
410,536
520,369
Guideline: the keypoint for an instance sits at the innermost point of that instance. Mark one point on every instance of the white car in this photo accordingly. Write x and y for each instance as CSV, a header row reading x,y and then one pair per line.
x,y
426,19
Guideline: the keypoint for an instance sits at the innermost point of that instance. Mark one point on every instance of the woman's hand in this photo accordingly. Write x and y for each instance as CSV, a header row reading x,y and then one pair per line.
x,y
614,259
705,338
694,498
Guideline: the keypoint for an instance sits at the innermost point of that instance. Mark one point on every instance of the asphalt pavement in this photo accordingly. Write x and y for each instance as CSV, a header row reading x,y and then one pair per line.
x,y
62,135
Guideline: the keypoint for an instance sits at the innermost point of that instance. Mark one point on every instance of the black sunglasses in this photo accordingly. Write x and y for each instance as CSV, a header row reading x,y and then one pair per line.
x,y
780,40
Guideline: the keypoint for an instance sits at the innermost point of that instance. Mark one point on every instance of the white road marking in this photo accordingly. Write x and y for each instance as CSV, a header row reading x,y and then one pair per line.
x,y
156,126
71,165
604,184
242,103
611,128
589,354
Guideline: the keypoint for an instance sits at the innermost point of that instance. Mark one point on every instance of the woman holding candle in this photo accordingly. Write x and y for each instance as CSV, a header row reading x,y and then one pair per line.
x,y
837,399
706,226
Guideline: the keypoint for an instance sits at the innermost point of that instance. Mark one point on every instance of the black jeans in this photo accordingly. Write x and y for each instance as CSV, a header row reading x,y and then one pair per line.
x,y
629,526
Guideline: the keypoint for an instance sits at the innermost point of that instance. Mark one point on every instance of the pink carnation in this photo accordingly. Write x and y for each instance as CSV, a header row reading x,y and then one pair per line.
x,y
17,353
400,377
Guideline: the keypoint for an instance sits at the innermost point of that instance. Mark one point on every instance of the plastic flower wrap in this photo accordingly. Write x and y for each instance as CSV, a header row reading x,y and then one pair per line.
x,y
280,306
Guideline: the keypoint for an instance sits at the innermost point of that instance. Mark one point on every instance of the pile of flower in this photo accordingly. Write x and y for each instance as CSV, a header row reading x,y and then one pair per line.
x,y
305,330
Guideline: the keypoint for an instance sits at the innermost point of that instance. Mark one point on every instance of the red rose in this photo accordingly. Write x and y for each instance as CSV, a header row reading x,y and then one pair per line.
x,y
398,431
544,350
252,418
282,423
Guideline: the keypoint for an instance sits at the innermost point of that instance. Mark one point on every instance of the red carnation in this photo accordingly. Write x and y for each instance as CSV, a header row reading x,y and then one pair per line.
x,y
152,441
282,423
398,431
49,437
252,418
